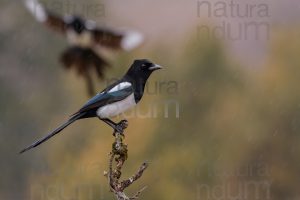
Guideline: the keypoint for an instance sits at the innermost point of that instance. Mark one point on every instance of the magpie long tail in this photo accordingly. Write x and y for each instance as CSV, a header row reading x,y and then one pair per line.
x,y
56,131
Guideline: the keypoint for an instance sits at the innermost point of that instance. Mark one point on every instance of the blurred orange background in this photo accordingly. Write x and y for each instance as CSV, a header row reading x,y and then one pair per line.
x,y
221,121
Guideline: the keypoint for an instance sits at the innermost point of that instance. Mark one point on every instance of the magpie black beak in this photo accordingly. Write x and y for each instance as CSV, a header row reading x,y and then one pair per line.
x,y
155,67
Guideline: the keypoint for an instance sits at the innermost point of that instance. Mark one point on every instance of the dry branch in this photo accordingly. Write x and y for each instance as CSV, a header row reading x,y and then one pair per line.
x,y
119,155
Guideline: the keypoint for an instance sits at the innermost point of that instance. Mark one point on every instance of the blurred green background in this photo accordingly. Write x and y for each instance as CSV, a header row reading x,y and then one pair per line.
x,y
221,121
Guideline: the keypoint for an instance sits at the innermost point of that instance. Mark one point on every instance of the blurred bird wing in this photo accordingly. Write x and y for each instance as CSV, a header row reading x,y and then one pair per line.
x,y
56,23
42,15
107,38
118,92
36,9
126,40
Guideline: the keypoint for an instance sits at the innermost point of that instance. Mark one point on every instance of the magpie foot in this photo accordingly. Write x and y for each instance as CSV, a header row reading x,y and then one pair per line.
x,y
120,127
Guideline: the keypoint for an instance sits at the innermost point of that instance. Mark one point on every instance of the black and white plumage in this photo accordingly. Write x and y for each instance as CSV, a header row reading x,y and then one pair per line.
x,y
114,100
85,39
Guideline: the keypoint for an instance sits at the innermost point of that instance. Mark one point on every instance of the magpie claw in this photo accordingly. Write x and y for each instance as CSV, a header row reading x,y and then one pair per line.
x,y
120,127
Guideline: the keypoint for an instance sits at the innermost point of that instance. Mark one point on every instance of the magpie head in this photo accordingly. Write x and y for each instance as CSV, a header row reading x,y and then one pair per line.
x,y
77,24
141,69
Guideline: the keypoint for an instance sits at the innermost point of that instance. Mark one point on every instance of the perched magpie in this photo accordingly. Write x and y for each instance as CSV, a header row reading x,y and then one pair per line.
x,y
112,101
86,40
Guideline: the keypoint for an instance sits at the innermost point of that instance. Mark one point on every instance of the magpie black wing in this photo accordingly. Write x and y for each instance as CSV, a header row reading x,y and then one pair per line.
x,y
42,15
118,92
107,38
126,40
56,23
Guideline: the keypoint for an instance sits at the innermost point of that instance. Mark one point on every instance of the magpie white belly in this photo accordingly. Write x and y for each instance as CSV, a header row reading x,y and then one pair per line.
x,y
116,108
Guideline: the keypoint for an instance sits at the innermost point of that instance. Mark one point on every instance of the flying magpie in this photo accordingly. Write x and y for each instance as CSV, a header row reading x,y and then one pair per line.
x,y
86,40
112,101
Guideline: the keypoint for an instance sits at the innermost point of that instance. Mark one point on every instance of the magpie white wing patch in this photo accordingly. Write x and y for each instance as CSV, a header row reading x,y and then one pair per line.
x,y
37,10
90,24
120,86
131,40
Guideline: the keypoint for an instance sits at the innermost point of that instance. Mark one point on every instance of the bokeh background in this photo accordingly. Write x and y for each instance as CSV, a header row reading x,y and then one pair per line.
x,y
221,121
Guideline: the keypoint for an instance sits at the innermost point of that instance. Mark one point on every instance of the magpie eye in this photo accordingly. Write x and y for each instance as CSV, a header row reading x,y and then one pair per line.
x,y
145,65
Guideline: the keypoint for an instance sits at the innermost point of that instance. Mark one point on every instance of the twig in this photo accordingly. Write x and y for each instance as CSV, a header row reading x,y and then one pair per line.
x,y
119,154
136,196
128,182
